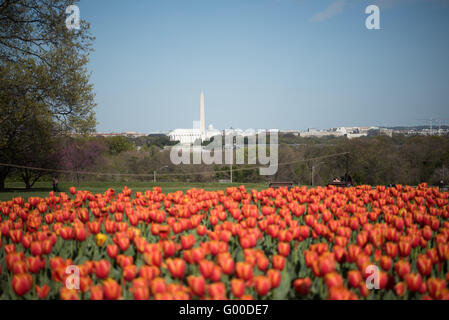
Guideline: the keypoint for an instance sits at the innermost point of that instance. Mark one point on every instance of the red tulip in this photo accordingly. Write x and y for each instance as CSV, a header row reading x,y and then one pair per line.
x,y
424,265
302,285
262,284
386,262
68,294
168,248
340,293
237,287
404,248
19,267
16,235
42,292
158,286
111,289
333,279
244,270
402,268
197,285
217,290
22,283
129,272
149,272
36,248
124,260
112,250
284,249
436,287
275,277
391,249
216,274
177,267
102,268
278,262
34,264
94,227
227,265
354,278
123,243
96,292
399,289
413,281
326,263
153,258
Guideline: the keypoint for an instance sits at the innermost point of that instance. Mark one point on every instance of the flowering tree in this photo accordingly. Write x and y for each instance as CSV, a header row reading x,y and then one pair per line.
x,y
77,156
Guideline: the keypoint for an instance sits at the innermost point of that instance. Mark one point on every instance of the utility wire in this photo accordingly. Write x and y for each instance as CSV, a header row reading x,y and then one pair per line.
x,y
162,174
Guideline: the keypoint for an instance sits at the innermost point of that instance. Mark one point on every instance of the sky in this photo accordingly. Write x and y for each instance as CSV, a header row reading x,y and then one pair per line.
x,y
273,64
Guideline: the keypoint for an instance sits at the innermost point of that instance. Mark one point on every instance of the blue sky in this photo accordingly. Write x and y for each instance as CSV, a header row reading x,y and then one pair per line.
x,y
286,64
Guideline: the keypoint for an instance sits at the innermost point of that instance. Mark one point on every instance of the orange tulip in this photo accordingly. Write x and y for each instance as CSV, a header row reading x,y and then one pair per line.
x,y
333,279
158,286
244,270
354,278
275,277
263,285
129,272
22,283
42,292
278,262
111,289
402,268
197,284
436,287
102,268
68,294
140,293
424,265
177,267
96,292
302,285
284,249
413,281
237,287
399,289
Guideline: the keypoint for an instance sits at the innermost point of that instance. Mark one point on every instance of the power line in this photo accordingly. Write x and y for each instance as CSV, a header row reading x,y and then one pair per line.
x,y
162,174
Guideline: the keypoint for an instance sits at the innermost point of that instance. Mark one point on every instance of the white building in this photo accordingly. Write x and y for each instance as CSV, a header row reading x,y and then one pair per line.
x,y
189,136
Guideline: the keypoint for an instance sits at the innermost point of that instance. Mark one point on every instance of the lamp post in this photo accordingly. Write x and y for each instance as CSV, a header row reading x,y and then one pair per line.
x,y
154,173
313,169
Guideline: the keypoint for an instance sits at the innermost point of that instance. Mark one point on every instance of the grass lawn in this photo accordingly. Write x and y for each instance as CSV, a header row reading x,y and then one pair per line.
x,y
42,188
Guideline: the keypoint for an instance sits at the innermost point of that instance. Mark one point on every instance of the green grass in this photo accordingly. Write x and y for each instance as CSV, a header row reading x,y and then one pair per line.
x,y
41,188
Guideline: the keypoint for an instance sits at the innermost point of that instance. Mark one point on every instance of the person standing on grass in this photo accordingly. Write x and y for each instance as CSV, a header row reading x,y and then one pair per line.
x,y
55,184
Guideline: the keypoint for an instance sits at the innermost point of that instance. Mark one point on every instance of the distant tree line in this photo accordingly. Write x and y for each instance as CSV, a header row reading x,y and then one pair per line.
x,y
371,160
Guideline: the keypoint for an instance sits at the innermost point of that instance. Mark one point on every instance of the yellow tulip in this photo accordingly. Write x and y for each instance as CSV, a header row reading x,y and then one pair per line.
x,y
100,239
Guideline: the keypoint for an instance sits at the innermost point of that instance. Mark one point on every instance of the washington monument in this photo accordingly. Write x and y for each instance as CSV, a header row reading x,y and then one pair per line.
x,y
202,120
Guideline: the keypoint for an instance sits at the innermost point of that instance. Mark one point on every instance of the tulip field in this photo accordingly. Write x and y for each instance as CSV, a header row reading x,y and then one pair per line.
x,y
298,243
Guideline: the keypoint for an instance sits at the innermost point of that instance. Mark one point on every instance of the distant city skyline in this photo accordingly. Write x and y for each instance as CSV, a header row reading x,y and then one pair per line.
x,y
285,64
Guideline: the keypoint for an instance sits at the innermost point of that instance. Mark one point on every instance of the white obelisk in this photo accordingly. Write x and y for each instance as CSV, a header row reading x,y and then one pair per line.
x,y
202,120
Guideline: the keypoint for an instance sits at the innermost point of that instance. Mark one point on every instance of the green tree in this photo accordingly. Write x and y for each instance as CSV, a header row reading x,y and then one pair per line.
x,y
118,144
44,90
